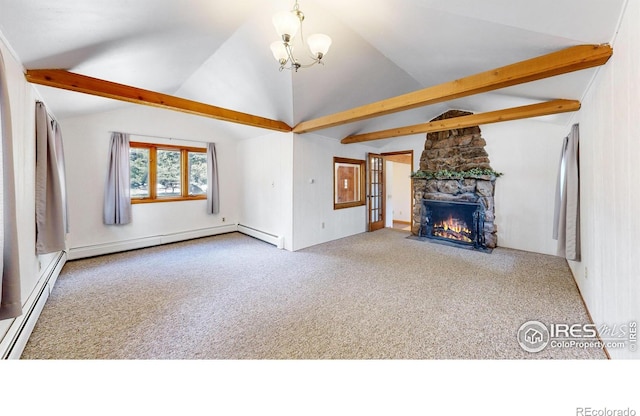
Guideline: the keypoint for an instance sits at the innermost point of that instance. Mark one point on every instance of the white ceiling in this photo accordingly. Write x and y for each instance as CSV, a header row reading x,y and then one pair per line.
x,y
218,52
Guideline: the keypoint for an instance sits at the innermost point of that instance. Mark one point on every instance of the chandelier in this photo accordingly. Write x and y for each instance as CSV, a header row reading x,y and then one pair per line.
x,y
287,24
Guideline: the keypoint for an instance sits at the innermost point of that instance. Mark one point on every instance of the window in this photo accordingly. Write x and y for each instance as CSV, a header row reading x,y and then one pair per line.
x,y
348,182
163,173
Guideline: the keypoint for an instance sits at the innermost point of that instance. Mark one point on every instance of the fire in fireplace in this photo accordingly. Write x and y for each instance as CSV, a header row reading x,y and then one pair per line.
x,y
452,222
453,229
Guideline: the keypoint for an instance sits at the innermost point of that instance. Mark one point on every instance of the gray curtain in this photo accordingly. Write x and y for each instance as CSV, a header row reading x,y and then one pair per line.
x,y
213,188
51,195
10,298
566,228
117,195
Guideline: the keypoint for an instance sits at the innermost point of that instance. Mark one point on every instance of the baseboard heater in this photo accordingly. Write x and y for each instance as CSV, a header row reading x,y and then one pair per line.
x,y
134,244
18,334
261,235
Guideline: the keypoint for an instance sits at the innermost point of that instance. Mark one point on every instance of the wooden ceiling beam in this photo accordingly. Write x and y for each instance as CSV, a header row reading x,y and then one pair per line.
x,y
59,78
556,63
516,113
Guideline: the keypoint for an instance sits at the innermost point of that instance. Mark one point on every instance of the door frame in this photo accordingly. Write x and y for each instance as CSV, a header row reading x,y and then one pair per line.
x,y
385,156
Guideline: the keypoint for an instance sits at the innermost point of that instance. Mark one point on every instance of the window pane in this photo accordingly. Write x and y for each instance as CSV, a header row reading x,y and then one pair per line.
x,y
197,173
347,182
139,168
168,183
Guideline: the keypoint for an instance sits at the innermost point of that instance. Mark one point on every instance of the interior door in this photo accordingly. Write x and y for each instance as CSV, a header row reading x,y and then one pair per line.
x,y
375,191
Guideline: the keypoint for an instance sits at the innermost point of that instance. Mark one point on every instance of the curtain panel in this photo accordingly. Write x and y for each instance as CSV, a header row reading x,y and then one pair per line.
x,y
10,298
51,191
566,227
213,188
117,196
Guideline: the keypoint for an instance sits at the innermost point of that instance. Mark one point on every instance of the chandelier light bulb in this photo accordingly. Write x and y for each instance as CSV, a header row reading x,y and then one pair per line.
x,y
286,24
279,51
319,44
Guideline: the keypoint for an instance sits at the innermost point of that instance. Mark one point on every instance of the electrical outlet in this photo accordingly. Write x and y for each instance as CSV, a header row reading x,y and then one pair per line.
x,y
223,219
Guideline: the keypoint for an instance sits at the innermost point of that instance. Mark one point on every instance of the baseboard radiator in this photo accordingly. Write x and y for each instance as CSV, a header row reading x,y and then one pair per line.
x,y
14,341
134,244
261,235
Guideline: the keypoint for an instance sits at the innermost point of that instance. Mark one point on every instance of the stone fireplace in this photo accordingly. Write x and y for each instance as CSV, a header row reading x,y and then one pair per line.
x,y
454,189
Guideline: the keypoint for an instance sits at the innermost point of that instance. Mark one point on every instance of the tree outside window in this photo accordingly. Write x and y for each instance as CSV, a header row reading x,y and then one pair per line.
x,y
139,167
162,173
197,173
168,183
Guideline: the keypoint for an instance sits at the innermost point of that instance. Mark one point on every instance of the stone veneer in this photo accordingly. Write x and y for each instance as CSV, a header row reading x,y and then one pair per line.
x,y
456,150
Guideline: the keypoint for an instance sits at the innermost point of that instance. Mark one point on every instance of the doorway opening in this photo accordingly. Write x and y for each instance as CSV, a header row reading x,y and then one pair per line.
x,y
389,190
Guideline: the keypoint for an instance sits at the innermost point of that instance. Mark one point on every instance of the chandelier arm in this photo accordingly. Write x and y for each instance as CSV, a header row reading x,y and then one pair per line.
x,y
301,17
317,61
294,64
297,65
289,50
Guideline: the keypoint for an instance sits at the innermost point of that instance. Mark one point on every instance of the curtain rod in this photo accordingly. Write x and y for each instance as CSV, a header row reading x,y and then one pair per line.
x,y
156,137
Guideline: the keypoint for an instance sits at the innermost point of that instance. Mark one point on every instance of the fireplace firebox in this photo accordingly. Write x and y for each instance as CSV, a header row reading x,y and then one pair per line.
x,y
454,223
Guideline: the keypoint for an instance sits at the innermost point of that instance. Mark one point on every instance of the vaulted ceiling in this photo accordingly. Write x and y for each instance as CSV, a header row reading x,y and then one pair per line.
x,y
218,52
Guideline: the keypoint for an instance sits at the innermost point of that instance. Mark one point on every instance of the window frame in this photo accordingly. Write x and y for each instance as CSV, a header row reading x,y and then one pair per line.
x,y
361,178
153,172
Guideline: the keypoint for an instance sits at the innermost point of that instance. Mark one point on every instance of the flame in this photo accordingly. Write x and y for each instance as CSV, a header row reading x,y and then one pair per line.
x,y
453,229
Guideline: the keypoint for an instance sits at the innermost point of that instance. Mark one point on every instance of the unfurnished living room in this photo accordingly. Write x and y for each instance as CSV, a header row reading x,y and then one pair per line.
x,y
320,180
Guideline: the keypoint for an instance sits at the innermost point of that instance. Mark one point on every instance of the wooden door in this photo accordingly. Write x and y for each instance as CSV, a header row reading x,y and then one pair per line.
x,y
375,191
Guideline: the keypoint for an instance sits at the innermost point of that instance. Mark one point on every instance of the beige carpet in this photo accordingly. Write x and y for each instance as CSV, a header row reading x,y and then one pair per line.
x,y
371,296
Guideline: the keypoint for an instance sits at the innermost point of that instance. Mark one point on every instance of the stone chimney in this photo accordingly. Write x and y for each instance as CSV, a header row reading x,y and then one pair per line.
x,y
454,150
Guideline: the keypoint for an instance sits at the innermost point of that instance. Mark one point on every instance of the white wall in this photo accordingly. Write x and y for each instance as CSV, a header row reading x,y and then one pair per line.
x,y
313,202
22,99
86,143
266,185
609,273
388,212
400,195
528,153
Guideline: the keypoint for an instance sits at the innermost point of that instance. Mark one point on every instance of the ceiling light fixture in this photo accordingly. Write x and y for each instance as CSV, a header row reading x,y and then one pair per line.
x,y
287,24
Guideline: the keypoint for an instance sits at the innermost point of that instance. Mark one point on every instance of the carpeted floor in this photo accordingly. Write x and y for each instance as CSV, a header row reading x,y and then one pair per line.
x,y
370,296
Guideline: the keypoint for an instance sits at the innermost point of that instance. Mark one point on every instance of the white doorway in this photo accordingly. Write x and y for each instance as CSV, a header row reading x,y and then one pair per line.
x,y
399,195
